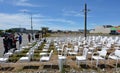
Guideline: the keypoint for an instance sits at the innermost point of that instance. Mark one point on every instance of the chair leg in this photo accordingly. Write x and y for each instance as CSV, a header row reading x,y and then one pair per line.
x,y
97,63
105,62
116,65
86,63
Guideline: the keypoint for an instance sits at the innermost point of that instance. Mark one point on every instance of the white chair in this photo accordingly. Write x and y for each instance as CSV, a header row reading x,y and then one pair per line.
x,y
115,56
60,49
101,56
8,54
28,57
74,52
46,58
82,58
3,60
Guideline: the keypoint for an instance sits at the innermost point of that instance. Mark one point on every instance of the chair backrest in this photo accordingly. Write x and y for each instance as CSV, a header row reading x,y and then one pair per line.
x,y
117,53
76,48
31,53
50,53
85,51
103,53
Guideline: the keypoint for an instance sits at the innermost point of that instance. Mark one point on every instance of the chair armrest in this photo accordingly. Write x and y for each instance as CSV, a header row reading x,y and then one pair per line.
x,y
111,54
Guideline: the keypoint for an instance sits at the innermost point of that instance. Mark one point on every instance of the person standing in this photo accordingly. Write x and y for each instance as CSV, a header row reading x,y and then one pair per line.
x,y
29,37
5,43
20,39
14,43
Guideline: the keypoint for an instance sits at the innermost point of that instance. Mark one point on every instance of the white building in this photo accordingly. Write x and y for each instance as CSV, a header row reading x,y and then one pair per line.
x,y
102,29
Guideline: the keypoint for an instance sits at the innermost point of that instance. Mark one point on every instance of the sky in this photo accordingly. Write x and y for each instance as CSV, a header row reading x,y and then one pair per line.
x,y
58,14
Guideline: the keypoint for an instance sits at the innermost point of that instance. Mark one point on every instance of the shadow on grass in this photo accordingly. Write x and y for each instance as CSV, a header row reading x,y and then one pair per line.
x,y
102,66
84,66
74,59
31,67
50,67
6,68
118,65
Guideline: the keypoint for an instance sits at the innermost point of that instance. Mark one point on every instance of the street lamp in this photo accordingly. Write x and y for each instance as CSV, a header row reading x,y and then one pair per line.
x,y
32,27
31,24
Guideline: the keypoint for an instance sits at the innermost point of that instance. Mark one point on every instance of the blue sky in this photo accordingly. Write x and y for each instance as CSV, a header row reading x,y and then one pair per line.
x,y
58,14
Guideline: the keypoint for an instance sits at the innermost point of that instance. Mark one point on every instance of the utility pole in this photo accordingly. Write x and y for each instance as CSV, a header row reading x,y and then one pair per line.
x,y
85,21
32,27
85,30
31,23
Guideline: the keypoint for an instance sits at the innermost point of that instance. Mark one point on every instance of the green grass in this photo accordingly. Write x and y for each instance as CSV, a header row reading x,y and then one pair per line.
x,y
36,56
16,57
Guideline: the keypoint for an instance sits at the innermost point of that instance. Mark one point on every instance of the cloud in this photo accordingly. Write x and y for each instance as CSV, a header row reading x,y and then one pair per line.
x,y
20,19
12,20
72,13
58,20
24,3
24,10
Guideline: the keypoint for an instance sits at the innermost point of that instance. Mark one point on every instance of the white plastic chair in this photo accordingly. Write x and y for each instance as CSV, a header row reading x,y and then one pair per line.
x,y
46,58
82,58
28,57
101,56
115,56
74,52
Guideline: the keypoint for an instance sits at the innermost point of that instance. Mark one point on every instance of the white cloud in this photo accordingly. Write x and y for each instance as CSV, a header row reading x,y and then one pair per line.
x,y
58,20
12,20
72,13
24,3
20,19
24,10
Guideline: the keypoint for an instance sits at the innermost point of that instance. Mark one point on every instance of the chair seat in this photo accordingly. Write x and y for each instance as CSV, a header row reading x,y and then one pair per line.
x,y
23,47
114,57
72,53
80,58
97,57
8,54
44,58
3,59
24,59
18,51
45,50
43,53
61,57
